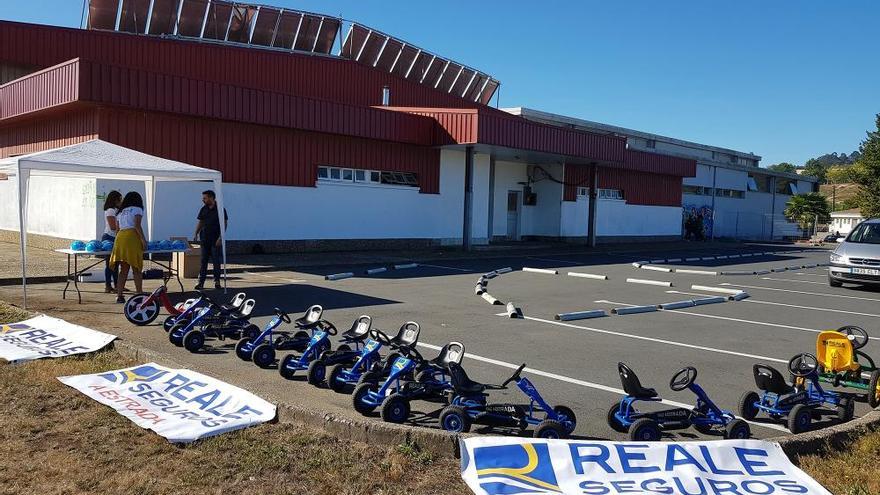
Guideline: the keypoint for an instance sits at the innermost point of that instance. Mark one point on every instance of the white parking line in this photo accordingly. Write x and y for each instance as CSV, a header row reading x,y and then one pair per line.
x,y
446,267
583,383
555,261
288,280
770,303
727,318
821,294
794,281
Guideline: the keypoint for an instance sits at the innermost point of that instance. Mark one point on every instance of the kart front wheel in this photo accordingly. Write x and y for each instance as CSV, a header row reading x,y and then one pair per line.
x,y
193,340
251,331
874,389
317,372
569,422
395,409
170,321
357,399
263,356
284,368
748,408
799,418
455,419
301,339
243,349
333,380
613,422
737,430
138,313
846,409
644,430
550,429
175,336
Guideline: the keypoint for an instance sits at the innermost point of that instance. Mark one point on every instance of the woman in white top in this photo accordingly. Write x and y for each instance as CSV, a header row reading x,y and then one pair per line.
x,y
128,250
111,227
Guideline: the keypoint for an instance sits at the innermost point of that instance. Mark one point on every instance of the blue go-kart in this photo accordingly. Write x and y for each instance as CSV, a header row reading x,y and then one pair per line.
x,y
705,416
226,321
343,374
469,405
407,337
398,390
318,355
261,349
191,306
800,402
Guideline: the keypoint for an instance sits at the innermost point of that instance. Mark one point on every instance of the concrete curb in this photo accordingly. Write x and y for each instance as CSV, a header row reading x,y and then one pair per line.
x,y
832,437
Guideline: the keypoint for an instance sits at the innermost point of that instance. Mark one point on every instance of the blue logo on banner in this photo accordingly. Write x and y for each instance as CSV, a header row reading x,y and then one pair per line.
x,y
513,469
15,327
139,374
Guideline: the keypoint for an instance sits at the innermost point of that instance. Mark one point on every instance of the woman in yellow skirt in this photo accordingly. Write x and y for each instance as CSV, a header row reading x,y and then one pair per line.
x,y
128,250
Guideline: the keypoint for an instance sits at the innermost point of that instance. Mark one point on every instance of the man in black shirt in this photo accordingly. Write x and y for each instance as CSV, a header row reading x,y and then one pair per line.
x,y
209,228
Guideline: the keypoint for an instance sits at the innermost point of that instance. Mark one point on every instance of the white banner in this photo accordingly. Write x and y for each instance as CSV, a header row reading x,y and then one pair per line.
x,y
510,466
181,405
44,336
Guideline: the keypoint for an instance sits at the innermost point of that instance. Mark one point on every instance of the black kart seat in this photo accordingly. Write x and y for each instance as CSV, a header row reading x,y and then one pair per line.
x,y
407,336
769,379
360,329
631,384
452,352
311,317
461,383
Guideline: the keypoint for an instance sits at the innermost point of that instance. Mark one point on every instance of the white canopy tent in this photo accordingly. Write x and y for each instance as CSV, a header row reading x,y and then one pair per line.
x,y
97,159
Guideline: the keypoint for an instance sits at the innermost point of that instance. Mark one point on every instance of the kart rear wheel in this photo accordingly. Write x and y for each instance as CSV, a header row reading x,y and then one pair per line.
x,y
283,367
799,418
424,376
193,340
371,377
263,356
550,429
175,336
570,422
737,430
138,315
644,430
455,419
241,352
874,389
317,372
343,348
251,331
613,422
302,339
333,380
846,409
747,408
357,399
395,409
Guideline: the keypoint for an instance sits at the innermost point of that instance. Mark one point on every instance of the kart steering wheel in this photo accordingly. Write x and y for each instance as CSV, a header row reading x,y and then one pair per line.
x,y
411,352
514,376
803,365
380,336
328,327
857,335
683,379
284,316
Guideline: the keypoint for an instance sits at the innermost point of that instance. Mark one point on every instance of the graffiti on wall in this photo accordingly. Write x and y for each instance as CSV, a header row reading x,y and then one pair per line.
x,y
698,222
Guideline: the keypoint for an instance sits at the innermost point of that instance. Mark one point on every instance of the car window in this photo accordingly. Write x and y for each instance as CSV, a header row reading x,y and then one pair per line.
x,y
865,233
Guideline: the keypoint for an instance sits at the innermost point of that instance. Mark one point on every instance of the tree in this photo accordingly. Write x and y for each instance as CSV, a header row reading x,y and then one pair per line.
x,y
783,167
804,208
839,174
817,169
866,173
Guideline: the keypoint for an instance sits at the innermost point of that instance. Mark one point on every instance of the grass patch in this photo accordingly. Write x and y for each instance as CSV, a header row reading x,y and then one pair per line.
x,y
55,440
853,471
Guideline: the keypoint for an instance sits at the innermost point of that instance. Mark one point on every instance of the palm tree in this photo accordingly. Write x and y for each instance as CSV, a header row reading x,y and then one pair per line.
x,y
804,208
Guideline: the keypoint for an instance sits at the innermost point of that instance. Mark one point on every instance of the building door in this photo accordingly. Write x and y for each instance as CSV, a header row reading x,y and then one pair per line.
x,y
513,203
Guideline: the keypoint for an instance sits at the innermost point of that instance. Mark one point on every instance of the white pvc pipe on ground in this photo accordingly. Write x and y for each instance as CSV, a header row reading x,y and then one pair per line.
x,y
762,272
540,270
677,305
692,259
740,296
513,311
695,272
674,260
504,270
657,268
722,290
709,300
581,315
633,310
707,258
642,281
479,290
373,271
738,272
490,299
339,276
659,261
588,275
405,266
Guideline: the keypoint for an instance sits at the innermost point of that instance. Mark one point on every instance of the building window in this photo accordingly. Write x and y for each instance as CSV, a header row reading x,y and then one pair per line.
x,y
730,193
697,190
339,174
610,194
751,184
323,173
583,191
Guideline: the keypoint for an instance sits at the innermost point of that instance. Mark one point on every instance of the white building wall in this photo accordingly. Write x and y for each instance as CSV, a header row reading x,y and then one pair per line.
x,y
575,217
480,207
702,178
616,218
58,207
543,219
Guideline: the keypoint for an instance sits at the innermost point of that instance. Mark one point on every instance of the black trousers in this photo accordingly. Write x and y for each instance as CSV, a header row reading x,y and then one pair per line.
x,y
210,251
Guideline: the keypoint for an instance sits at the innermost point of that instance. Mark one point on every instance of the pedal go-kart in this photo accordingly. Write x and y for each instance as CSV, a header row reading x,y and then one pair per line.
x,y
318,355
142,309
398,390
191,306
269,341
799,402
343,373
705,416
843,364
469,405
407,337
220,323
204,311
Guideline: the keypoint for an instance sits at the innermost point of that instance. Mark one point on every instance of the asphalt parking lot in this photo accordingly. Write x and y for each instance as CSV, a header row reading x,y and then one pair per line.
x,y
572,363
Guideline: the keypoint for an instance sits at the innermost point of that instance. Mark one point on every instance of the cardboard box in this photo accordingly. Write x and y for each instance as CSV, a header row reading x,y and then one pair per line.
x,y
187,264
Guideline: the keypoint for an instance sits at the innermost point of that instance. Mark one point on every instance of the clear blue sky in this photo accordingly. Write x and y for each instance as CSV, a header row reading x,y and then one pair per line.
x,y
788,80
